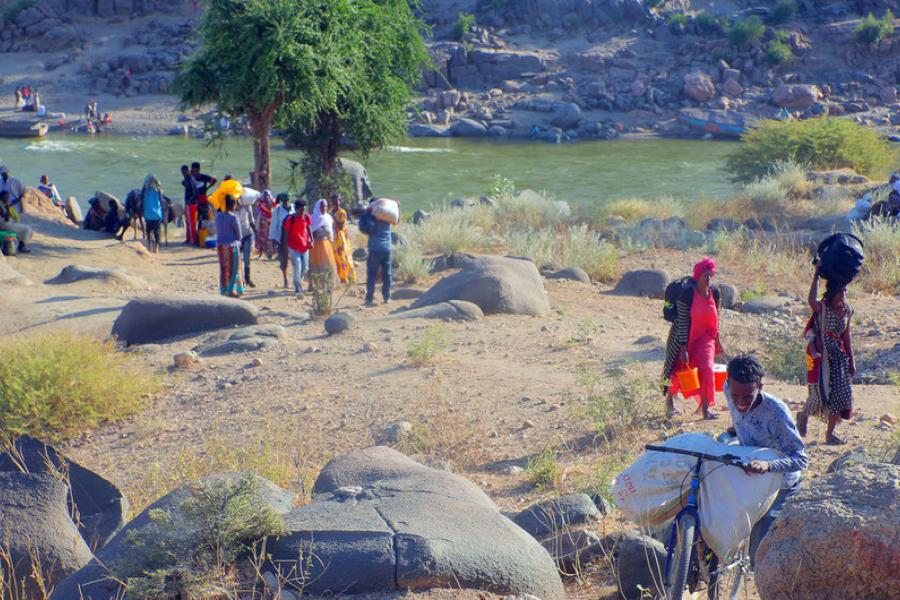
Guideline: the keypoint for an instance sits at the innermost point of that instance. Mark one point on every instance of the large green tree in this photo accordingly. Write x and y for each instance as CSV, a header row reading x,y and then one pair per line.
x,y
324,69
379,59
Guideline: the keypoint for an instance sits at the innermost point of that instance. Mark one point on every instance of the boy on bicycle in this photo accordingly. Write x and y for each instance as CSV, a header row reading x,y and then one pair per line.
x,y
760,419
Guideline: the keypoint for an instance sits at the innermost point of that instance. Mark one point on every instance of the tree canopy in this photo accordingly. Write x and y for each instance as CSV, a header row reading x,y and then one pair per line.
x,y
324,70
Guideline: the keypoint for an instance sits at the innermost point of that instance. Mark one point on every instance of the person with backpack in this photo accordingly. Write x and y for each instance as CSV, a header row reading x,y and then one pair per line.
x,y
692,306
829,360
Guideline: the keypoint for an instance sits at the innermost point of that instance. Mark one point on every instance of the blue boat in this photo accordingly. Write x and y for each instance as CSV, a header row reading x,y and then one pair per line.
x,y
728,123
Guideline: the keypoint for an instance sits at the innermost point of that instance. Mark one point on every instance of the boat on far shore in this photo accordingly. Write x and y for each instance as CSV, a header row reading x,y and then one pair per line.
x,y
22,128
728,123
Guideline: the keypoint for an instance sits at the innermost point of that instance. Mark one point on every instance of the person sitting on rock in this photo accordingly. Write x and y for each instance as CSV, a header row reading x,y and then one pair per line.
x,y
9,221
49,190
95,218
762,420
13,186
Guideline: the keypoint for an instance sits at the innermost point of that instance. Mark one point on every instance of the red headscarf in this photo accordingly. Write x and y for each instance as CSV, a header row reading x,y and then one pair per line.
x,y
707,264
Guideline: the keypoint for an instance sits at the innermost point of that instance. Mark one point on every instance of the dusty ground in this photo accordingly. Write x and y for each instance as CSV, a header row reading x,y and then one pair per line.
x,y
504,391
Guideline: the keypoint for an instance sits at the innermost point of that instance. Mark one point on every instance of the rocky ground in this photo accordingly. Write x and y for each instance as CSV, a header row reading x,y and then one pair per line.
x,y
500,394
545,70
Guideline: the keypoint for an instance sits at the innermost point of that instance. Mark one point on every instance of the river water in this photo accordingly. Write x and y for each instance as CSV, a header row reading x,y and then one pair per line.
x,y
422,173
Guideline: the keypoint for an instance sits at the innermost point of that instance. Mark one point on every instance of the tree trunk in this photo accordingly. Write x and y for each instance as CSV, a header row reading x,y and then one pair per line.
x,y
260,126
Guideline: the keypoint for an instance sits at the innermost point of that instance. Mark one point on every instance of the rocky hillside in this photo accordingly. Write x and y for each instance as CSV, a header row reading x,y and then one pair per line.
x,y
544,69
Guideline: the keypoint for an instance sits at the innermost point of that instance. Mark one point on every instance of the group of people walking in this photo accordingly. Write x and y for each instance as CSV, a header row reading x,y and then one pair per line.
x,y
694,343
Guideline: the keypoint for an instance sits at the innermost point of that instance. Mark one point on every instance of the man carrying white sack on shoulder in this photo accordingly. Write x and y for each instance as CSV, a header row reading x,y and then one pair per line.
x,y
762,420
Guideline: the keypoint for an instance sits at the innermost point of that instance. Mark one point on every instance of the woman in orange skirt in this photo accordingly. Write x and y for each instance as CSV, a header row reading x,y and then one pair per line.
x,y
321,255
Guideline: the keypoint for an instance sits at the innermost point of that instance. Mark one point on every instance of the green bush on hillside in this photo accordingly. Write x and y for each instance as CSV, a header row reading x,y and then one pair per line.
x,y
871,30
746,31
818,143
464,24
779,53
708,23
782,12
678,19
60,384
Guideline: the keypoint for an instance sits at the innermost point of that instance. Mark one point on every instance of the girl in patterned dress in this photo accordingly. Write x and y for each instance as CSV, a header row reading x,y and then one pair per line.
x,y
830,361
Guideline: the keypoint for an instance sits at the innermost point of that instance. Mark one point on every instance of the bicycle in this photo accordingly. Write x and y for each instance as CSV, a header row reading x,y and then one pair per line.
x,y
689,563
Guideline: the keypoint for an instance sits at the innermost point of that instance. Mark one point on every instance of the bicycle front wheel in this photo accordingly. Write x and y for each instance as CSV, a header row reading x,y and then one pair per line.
x,y
681,559
725,581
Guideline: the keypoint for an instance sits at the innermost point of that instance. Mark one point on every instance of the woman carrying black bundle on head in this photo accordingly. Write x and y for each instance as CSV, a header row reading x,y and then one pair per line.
x,y
829,358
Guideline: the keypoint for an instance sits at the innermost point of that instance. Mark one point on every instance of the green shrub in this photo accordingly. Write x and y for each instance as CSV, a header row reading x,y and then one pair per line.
x,y
744,32
227,517
424,351
464,24
708,23
612,408
871,30
779,53
678,19
784,359
818,143
58,384
543,469
783,12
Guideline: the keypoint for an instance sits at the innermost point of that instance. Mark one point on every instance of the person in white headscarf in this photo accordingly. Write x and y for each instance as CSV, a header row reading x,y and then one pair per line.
x,y
321,255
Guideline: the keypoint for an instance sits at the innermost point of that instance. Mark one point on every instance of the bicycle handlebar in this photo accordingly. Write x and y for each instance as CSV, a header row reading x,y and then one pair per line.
x,y
727,459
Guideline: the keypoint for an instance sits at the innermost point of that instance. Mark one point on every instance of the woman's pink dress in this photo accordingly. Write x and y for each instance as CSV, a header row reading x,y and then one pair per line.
x,y
701,347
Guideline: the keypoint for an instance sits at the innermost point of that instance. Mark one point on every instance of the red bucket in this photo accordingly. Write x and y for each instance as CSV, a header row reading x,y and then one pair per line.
x,y
721,374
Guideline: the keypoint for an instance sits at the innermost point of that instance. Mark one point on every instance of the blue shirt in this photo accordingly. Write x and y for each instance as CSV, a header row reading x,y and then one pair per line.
x,y
769,424
152,205
228,229
379,233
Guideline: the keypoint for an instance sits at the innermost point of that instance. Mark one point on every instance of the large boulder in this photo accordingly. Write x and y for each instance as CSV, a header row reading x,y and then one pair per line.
x,y
453,310
382,522
763,305
496,284
649,283
115,276
469,128
73,211
147,320
100,506
570,273
566,115
360,183
550,516
796,96
168,529
339,323
839,538
245,339
698,86
35,523
640,561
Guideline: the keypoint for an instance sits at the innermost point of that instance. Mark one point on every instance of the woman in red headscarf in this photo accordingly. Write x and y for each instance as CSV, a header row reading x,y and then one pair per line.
x,y
694,338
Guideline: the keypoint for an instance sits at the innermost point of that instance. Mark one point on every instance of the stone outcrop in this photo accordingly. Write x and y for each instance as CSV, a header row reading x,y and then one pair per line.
x,y
851,518
147,320
796,97
650,283
383,522
698,86
496,284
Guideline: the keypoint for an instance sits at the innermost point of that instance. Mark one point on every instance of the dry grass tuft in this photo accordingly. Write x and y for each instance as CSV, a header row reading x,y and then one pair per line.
x,y
59,384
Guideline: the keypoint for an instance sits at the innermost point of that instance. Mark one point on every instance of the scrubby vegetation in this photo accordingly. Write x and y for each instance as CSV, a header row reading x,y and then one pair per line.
x,y
746,31
708,23
871,30
779,53
782,12
881,270
819,143
464,24
60,384
428,348
227,519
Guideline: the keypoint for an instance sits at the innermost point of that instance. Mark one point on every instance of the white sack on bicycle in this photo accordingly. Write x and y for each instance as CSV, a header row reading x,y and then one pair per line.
x,y
656,486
